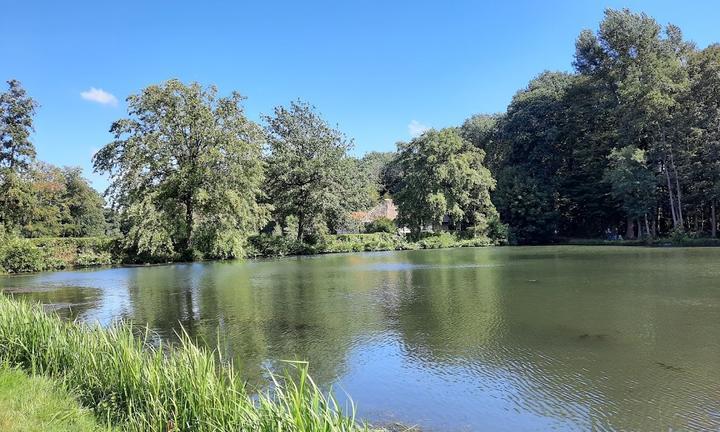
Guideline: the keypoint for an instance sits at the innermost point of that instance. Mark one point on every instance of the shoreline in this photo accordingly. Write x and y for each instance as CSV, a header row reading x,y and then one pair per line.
x,y
332,244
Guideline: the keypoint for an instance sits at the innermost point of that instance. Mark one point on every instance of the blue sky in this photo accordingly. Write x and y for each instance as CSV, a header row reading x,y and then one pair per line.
x,y
377,69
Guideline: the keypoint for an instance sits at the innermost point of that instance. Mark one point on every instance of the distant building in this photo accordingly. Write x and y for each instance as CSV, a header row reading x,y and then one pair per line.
x,y
384,209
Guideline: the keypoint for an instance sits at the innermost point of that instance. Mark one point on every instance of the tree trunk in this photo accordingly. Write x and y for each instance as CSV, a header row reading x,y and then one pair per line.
x,y
679,194
301,221
630,231
188,222
654,226
713,220
647,226
672,198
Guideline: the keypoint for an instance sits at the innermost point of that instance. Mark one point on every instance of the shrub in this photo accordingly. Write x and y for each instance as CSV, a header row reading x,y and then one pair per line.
x,y
679,236
268,245
438,241
18,255
497,231
381,225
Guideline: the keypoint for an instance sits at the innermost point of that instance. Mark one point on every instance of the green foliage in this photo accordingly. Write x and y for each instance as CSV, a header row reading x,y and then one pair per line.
x,y
442,175
679,236
39,199
63,204
527,206
267,245
138,384
19,255
309,174
631,181
444,240
438,241
497,231
186,172
16,125
380,241
373,166
17,201
381,225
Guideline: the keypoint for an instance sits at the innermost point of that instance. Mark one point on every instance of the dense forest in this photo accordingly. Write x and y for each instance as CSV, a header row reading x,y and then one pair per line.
x,y
627,145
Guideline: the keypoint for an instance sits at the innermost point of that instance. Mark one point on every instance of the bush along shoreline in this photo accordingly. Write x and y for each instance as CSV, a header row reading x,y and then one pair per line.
x,y
138,384
26,255
23,255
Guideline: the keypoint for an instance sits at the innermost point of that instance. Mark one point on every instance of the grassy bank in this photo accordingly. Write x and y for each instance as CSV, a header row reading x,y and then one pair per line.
x,y
138,386
37,404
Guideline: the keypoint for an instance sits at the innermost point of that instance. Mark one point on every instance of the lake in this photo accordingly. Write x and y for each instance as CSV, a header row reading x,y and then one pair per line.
x,y
502,339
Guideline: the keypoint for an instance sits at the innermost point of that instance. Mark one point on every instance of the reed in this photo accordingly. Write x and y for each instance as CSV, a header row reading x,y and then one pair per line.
x,y
139,384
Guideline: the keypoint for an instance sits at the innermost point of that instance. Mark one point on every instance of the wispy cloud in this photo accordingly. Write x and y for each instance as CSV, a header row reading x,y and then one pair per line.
x,y
415,128
100,96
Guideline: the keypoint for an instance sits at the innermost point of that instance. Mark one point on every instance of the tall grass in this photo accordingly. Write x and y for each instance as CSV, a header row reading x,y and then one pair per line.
x,y
139,386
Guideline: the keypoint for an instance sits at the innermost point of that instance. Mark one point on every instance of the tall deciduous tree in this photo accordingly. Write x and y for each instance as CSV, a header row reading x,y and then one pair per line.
x,y
443,175
186,171
703,107
640,65
16,124
532,135
309,174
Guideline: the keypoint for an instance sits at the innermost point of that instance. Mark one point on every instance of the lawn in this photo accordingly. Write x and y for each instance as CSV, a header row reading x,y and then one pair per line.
x,y
29,404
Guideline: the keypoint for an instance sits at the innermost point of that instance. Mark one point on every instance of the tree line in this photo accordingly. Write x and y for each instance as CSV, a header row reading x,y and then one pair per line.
x,y
628,142
626,145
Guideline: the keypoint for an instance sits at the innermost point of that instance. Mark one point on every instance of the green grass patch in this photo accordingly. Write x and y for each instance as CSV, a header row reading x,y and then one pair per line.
x,y
37,404
140,384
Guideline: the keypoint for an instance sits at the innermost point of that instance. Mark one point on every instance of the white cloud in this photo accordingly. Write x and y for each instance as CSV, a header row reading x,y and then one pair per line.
x,y
415,128
100,96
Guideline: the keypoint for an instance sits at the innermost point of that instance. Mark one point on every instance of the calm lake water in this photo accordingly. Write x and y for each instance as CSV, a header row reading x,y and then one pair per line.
x,y
501,339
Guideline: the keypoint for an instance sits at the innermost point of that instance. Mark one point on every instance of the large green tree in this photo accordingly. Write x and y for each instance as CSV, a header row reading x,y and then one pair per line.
x,y
310,176
443,175
186,171
703,118
63,203
16,124
640,65
532,135
16,154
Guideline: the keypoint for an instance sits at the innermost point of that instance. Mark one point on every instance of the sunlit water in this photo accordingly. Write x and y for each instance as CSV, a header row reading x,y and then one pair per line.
x,y
501,339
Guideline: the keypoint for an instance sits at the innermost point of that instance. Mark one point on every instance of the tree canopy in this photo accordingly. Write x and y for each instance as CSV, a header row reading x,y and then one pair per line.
x,y
443,175
186,171
310,176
